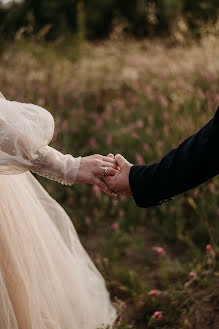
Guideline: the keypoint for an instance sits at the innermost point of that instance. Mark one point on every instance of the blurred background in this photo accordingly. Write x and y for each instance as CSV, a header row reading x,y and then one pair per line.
x,y
130,77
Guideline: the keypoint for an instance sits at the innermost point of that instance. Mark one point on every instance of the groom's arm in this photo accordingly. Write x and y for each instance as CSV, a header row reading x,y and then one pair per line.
x,y
190,164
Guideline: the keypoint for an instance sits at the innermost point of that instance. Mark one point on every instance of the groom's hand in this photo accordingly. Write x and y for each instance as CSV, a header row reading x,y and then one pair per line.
x,y
119,183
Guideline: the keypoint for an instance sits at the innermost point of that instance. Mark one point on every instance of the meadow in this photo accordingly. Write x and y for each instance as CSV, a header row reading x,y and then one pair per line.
x,y
140,99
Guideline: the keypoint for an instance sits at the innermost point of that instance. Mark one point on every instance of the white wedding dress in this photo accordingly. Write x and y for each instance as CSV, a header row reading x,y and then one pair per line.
x,y
47,280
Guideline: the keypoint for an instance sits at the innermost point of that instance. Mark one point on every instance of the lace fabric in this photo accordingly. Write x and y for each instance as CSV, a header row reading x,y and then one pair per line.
x,y
54,165
25,132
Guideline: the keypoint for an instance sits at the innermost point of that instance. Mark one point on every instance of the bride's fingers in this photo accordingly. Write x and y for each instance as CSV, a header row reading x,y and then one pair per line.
x,y
109,158
103,187
109,165
110,155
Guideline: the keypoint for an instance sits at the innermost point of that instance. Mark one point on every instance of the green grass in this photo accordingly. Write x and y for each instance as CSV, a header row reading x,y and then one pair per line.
x,y
139,99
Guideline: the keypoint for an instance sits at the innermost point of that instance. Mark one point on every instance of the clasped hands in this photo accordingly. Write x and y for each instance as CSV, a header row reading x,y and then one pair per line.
x,y
114,169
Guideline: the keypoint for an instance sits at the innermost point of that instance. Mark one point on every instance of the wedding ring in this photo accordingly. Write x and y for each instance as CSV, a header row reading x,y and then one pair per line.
x,y
105,169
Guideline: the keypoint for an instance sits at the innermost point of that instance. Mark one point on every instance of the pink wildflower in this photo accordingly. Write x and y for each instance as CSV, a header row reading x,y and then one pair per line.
x,y
109,140
146,147
159,250
140,124
192,275
123,198
70,200
209,261
134,135
154,292
87,220
65,127
121,213
148,90
96,191
115,226
209,250
139,159
92,142
158,315
163,101
115,202
211,187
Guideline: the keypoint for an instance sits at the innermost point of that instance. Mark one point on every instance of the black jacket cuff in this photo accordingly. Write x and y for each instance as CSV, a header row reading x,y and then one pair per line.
x,y
193,162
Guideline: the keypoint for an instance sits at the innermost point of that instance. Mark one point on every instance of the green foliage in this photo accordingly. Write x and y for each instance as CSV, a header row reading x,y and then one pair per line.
x,y
140,18
81,21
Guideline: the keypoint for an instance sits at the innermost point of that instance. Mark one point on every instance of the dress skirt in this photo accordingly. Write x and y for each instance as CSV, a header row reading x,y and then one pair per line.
x,y
47,280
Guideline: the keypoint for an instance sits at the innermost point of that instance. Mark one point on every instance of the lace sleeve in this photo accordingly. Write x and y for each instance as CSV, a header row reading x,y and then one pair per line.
x,y
54,165
25,132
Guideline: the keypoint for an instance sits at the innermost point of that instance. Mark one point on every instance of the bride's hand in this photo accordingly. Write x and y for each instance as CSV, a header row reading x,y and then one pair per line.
x,y
93,167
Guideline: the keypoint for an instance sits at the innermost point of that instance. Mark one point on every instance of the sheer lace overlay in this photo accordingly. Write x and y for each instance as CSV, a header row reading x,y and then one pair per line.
x,y
54,165
47,279
25,132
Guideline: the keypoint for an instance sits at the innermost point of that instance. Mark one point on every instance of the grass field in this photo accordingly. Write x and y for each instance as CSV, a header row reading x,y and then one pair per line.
x,y
139,99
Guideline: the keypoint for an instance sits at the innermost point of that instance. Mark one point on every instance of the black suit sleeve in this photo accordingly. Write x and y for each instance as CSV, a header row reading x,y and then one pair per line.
x,y
193,162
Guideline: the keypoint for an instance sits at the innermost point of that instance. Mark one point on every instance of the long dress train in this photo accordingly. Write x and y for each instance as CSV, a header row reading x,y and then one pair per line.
x,y
47,280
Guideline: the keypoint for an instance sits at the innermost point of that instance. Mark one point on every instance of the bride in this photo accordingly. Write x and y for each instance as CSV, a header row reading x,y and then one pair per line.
x,y
47,280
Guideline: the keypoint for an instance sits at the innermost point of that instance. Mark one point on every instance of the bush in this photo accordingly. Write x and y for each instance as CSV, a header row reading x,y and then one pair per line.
x,y
140,18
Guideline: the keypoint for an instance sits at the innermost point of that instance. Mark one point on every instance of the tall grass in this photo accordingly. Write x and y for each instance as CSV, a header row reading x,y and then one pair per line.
x,y
139,99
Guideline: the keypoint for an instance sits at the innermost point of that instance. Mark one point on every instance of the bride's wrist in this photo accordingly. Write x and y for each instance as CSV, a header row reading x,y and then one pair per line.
x,y
78,176
83,171
76,169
